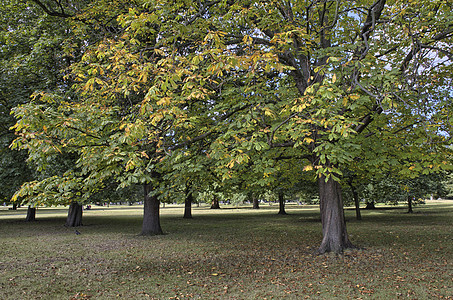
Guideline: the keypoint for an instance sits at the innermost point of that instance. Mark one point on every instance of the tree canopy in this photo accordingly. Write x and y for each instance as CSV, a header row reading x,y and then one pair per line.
x,y
31,47
332,85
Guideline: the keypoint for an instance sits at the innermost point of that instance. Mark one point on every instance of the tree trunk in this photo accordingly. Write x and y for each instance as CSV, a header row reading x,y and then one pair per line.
x,y
188,207
188,202
355,195
215,204
335,237
370,205
31,214
281,204
358,215
74,218
151,217
14,206
409,205
256,204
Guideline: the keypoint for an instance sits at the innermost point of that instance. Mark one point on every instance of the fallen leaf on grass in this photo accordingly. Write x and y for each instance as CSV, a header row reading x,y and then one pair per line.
x,y
80,296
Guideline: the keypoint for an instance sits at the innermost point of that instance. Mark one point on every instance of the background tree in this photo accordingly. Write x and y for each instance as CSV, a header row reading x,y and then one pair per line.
x,y
28,61
56,45
448,184
120,124
31,58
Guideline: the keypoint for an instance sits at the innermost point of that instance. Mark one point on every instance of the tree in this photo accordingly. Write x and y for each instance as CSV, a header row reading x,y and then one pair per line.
x,y
448,184
28,61
40,45
119,122
324,79
32,57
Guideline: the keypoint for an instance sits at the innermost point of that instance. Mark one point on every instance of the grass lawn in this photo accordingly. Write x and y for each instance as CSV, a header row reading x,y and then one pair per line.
x,y
226,254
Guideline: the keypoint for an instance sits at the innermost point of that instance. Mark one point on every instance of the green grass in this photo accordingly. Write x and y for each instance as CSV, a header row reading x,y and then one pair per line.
x,y
226,254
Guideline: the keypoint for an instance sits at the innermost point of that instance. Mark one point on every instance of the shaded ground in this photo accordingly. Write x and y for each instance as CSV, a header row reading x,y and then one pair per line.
x,y
227,254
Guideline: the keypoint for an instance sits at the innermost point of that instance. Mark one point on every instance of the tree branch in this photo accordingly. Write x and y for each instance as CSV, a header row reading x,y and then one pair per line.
x,y
374,13
377,109
447,53
51,12
438,37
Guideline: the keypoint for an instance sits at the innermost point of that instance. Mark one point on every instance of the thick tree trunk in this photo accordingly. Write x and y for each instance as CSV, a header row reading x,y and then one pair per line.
x,y
256,204
151,217
335,237
281,204
215,204
188,203
74,218
409,205
31,214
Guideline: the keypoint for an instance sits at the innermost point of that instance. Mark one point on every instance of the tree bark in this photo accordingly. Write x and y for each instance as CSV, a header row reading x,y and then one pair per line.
x,y
74,218
31,214
335,237
151,217
188,202
409,205
256,204
215,204
281,204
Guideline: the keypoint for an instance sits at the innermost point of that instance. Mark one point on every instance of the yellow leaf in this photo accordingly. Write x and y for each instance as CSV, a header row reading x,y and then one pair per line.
x,y
159,52
130,165
308,168
230,164
164,101
268,112
354,97
247,40
345,101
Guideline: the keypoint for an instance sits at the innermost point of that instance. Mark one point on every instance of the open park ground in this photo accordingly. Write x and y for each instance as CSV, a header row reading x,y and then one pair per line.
x,y
231,253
